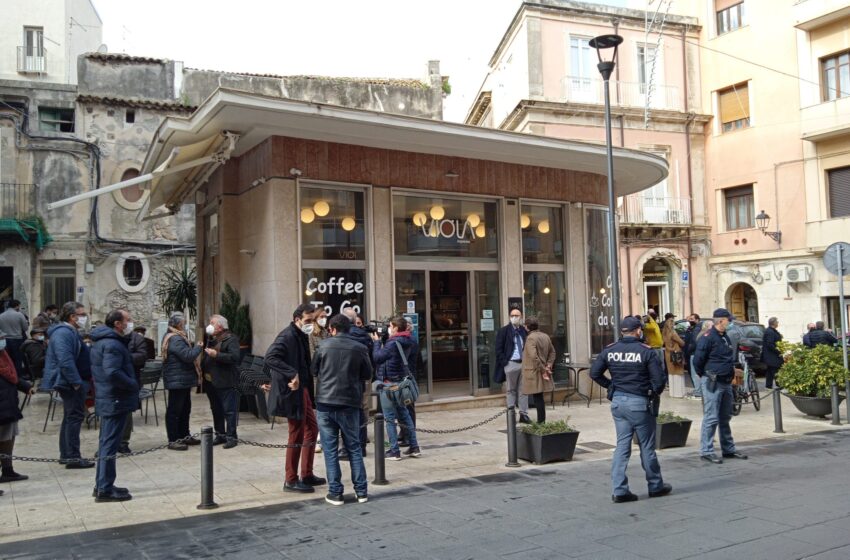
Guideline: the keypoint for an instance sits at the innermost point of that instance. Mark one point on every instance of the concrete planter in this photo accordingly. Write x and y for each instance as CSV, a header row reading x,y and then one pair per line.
x,y
548,448
814,406
670,434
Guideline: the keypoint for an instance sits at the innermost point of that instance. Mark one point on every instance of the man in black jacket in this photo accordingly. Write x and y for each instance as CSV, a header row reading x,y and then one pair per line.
x,y
770,355
690,340
291,396
714,361
221,372
341,366
820,336
361,336
139,352
510,341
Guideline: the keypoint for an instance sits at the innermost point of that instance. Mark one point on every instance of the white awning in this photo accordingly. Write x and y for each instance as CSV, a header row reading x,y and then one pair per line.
x,y
256,117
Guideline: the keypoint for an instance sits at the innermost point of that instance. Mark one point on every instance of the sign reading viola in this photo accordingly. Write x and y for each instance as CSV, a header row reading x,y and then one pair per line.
x,y
337,292
461,231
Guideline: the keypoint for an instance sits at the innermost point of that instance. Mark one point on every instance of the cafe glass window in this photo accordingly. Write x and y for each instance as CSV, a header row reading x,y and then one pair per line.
x,y
426,228
598,279
333,247
545,297
542,234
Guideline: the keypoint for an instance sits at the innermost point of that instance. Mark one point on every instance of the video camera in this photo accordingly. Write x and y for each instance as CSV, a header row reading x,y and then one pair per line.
x,y
377,327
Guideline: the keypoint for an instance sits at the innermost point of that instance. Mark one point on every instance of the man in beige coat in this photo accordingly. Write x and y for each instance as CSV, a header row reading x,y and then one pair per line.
x,y
538,357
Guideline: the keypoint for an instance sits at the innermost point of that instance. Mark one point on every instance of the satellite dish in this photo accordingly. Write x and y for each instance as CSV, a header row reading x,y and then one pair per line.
x,y
103,48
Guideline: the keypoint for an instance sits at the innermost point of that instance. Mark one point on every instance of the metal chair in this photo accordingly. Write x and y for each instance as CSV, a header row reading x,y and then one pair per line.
x,y
151,375
55,399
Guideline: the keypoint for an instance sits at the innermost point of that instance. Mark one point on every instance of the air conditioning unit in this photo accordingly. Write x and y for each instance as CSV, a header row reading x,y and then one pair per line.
x,y
795,274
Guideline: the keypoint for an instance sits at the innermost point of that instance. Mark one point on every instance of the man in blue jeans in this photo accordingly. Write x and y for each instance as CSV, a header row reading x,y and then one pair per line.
x,y
637,380
341,365
67,370
714,361
116,395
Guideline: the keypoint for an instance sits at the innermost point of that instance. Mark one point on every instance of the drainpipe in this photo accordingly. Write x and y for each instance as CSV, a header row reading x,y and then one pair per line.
x,y
629,276
688,123
616,24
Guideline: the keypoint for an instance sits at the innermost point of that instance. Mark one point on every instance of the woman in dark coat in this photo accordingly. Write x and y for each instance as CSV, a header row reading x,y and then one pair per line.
x,y
180,375
770,354
10,384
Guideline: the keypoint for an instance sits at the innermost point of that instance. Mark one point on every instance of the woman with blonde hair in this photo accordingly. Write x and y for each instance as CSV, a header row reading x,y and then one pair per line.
x,y
674,358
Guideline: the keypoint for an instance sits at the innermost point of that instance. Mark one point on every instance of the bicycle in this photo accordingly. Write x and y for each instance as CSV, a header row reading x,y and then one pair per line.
x,y
748,390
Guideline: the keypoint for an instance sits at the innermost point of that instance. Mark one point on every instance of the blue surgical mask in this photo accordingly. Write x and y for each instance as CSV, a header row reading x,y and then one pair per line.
x,y
2,343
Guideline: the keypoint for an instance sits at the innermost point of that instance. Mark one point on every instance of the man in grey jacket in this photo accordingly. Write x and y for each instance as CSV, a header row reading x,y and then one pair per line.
x,y
341,365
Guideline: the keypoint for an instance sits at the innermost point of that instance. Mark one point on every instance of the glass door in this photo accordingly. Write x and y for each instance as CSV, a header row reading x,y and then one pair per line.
x,y
411,300
486,325
450,333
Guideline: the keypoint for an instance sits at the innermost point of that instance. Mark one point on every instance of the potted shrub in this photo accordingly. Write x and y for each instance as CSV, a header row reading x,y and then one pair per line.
x,y
545,442
238,316
807,375
671,430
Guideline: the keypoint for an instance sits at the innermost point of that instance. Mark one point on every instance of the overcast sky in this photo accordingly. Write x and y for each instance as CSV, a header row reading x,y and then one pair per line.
x,y
366,38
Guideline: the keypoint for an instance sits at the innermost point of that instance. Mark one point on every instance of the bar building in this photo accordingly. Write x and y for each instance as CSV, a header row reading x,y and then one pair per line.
x,y
304,202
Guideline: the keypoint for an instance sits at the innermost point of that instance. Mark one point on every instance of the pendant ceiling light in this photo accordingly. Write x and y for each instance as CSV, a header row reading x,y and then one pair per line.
x,y
321,208
307,216
438,212
348,224
473,220
543,227
524,221
480,231
419,219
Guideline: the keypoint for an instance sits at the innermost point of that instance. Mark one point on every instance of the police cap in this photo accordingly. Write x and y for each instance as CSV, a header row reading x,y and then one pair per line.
x,y
630,324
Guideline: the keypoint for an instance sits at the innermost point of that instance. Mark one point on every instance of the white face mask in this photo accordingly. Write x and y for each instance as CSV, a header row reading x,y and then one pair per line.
x,y
323,321
2,343
128,329
38,337
210,330
81,322
515,321
307,329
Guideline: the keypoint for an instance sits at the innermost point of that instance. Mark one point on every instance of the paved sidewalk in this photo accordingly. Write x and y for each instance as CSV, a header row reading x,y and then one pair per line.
x,y
165,484
776,506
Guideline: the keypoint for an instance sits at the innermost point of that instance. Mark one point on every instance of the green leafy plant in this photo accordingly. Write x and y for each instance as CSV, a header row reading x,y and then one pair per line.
x,y
809,372
547,428
668,417
178,290
238,315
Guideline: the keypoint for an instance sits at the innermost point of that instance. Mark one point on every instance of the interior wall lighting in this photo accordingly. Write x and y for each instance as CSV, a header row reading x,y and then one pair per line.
x,y
433,231
524,221
480,231
438,212
322,208
348,224
473,220
307,216
546,290
419,219
543,227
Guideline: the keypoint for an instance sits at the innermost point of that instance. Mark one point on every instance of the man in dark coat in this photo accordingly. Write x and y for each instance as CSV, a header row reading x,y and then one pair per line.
x,y
821,336
116,394
221,371
33,351
139,351
510,340
360,335
291,396
67,371
689,349
770,354
807,337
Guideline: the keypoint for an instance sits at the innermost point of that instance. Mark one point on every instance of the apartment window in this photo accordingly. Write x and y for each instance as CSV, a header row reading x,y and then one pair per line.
x,y
58,282
836,76
582,65
53,119
839,192
734,105
730,15
740,213
34,41
646,61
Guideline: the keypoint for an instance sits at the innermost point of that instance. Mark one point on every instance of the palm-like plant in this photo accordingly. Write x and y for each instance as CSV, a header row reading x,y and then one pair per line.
x,y
179,290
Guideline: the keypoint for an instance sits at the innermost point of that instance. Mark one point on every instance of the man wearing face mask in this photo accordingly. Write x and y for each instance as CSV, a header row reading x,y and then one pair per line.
x,y
116,395
291,396
33,351
220,367
510,342
67,371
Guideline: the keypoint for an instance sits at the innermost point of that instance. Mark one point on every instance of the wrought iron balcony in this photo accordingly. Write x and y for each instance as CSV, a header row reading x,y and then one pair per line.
x,y
32,60
578,89
17,201
641,209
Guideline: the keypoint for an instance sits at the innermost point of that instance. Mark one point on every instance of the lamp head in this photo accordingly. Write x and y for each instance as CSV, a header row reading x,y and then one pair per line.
x,y
605,42
762,221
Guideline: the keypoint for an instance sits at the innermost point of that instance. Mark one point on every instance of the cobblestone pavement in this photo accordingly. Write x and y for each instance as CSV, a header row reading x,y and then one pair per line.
x,y
165,484
788,501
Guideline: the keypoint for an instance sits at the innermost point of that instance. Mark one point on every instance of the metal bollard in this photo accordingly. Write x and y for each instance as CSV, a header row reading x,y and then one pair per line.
x,y
777,412
207,501
836,408
847,397
512,458
380,457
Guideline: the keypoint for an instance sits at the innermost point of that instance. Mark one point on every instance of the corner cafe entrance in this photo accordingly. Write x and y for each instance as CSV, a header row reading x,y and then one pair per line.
x,y
447,283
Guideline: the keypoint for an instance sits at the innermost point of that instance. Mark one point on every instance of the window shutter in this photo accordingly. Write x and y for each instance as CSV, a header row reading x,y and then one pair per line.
x,y
839,192
735,104
720,5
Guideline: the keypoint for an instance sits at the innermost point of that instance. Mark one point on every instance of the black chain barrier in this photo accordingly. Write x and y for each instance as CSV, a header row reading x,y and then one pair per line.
x,y
95,459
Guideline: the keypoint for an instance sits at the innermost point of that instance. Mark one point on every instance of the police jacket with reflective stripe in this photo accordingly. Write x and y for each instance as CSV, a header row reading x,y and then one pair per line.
x,y
635,368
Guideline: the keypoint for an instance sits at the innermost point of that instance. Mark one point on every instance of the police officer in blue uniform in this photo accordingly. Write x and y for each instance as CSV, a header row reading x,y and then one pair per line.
x,y
714,362
637,380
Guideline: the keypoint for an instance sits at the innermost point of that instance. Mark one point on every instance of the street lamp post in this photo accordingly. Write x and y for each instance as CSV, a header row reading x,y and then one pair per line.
x,y
606,67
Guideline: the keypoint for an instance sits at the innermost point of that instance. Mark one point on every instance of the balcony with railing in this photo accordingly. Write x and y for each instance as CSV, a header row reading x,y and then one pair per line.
x,y
32,60
578,89
640,209
17,201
